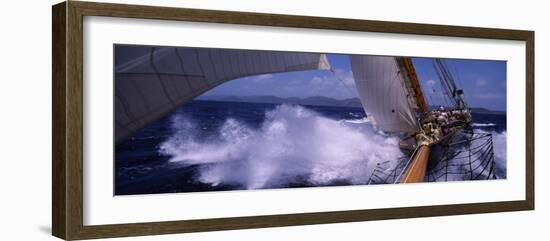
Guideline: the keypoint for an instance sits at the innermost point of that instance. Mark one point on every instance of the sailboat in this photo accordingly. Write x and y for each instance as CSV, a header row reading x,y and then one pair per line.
x,y
436,140
153,81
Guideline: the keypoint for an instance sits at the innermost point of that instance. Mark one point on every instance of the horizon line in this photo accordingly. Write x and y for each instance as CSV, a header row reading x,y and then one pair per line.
x,y
280,97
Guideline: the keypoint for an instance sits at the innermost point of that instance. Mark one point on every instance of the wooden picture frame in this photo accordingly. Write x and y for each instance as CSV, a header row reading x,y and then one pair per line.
x,y
67,159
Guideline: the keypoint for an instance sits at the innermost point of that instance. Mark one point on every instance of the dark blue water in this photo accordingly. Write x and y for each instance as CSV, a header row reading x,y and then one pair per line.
x,y
141,169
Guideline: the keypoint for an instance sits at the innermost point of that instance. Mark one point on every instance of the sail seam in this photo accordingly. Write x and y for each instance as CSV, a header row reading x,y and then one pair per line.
x,y
155,69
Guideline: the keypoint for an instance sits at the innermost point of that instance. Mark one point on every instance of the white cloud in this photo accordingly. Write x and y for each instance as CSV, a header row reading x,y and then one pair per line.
x,y
488,96
481,83
262,77
344,76
339,78
337,84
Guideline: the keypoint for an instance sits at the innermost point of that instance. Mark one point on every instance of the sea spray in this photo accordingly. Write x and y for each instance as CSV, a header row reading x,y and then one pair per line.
x,y
292,145
499,151
483,124
460,161
499,147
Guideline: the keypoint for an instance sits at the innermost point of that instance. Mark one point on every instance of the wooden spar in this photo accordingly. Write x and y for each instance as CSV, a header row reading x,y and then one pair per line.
x,y
416,170
415,84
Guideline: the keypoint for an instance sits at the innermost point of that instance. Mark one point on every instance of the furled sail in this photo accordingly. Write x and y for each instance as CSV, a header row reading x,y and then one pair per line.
x,y
382,88
152,81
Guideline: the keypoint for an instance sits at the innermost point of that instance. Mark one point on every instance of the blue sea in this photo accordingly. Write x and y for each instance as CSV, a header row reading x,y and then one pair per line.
x,y
216,146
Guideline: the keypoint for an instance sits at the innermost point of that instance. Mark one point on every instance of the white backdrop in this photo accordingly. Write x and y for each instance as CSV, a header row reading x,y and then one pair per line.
x,y
25,126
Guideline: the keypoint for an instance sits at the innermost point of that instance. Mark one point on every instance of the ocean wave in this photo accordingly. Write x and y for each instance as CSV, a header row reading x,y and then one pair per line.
x,y
358,121
499,151
483,124
292,144
144,138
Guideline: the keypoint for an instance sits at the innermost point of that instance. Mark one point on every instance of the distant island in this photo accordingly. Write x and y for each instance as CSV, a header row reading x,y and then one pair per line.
x,y
313,101
481,110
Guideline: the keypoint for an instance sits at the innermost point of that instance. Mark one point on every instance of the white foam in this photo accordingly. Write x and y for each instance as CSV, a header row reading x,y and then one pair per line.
x,y
358,121
293,142
499,150
483,124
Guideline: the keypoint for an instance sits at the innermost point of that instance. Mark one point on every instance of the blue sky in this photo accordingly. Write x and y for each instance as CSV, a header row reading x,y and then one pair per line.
x,y
483,81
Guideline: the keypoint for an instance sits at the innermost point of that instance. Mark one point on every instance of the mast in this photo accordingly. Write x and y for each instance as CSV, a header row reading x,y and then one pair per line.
x,y
431,131
406,63
417,167
392,96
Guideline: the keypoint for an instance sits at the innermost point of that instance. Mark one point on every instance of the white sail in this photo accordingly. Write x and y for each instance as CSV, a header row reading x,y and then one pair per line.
x,y
152,81
383,93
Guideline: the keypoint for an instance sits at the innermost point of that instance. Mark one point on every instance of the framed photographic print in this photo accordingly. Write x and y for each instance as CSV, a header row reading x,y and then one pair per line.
x,y
171,120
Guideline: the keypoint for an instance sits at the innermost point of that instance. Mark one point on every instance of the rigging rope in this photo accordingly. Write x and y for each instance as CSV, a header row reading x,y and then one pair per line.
x,y
470,159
